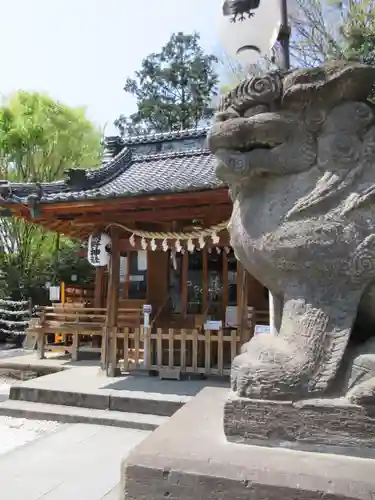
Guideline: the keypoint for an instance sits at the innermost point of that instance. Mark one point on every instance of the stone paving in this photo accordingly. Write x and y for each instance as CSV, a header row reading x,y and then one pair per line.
x,y
74,461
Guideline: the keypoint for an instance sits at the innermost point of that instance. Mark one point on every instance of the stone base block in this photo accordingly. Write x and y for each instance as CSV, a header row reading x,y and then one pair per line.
x,y
327,425
189,458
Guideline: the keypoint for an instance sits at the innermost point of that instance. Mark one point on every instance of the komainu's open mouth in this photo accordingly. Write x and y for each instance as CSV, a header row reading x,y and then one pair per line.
x,y
256,145
262,131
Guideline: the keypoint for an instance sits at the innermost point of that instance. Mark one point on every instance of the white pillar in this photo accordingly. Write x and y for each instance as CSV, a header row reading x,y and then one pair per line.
x,y
275,309
272,312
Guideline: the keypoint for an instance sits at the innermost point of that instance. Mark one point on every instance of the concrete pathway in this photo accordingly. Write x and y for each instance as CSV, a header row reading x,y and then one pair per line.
x,y
77,461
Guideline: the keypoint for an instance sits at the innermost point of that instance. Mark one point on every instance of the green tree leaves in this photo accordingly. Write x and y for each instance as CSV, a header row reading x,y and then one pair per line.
x,y
39,139
174,88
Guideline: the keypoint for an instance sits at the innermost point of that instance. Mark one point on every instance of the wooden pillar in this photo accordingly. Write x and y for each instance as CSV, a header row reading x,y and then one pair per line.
x,y
204,280
125,294
110,330
242,302
98,293
225,296
184,282
239,279
98,299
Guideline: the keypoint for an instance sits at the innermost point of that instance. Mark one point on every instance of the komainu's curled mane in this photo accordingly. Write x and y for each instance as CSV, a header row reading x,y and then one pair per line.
x,y
298,153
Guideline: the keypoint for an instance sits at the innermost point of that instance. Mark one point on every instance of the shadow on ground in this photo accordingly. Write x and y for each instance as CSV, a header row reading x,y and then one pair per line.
x,y
184,387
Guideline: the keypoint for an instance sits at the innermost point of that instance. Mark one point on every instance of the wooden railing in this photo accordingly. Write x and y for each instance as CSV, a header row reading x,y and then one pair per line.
x,y
179,350
76,322
173,349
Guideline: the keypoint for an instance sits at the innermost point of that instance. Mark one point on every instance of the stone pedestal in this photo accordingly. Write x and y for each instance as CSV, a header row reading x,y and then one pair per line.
x,y
325,425
189,458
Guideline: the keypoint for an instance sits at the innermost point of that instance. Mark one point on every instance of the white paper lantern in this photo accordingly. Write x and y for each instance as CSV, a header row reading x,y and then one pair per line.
x,y
249,28
97,253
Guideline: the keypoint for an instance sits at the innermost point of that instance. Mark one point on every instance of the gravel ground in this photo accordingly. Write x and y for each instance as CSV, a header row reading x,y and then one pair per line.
x,y
7,379
6,352
16,432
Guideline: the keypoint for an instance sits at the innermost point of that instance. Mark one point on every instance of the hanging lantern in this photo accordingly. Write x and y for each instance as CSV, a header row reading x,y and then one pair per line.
x,y
249,28
190,245
97,252
153,245
164,246
215,238
144,244
132,240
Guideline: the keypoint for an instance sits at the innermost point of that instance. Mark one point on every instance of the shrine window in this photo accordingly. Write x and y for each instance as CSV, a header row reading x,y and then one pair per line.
x,y
214,284
133,275
232,279
194,284
175,282
137,275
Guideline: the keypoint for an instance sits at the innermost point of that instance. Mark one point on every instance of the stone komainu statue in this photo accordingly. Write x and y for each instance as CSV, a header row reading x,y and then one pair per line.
x,y
298,153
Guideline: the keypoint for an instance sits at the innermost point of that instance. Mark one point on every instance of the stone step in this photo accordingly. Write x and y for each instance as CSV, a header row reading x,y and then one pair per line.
x,y
123,401
74,415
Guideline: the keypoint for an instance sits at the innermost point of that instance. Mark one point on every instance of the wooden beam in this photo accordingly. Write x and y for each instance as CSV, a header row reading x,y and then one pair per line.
x,y
157,215
97,214
110,337
162,200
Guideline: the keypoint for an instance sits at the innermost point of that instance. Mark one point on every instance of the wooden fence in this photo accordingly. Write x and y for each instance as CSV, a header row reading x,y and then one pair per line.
x,y
182,350
73,323
174,349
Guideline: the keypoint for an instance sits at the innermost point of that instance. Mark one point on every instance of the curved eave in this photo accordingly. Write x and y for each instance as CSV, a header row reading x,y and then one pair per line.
x,y
65,217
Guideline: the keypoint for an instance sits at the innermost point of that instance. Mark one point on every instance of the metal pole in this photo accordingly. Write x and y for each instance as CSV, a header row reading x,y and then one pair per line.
x,y
284,36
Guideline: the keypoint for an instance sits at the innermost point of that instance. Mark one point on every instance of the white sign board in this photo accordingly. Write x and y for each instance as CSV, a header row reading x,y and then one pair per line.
x,y
54,293
146,320
213,325
231,316
147,308
262,329
136,278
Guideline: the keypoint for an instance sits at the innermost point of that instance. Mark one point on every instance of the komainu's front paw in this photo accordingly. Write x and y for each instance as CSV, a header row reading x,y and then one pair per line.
x,y
268,368
363,394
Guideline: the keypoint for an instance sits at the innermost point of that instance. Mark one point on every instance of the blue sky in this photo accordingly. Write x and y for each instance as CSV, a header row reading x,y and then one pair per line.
x,y
81,51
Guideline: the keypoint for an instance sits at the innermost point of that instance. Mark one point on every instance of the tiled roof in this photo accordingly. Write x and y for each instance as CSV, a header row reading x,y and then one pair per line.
x,y
163,136
130,174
